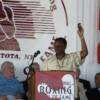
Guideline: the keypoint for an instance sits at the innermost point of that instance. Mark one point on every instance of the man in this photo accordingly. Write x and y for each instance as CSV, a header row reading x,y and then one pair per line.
x,y
7,29
94,93
10,88
81,86
86,84
63,61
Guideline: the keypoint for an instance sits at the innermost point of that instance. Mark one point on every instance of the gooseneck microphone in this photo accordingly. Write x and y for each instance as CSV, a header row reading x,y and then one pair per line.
x,y
29,69
35,54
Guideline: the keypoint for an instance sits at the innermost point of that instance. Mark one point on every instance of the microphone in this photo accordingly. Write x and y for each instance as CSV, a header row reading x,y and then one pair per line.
x,y
28,69
36,53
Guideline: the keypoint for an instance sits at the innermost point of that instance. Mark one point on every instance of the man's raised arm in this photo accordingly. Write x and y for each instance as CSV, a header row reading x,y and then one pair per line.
x,y
84,50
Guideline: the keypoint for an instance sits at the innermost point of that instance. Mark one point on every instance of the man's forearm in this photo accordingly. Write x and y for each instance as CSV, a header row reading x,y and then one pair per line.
x,y
84,50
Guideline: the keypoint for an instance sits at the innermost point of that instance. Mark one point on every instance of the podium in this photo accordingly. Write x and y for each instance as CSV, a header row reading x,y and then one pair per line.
x,y
52,85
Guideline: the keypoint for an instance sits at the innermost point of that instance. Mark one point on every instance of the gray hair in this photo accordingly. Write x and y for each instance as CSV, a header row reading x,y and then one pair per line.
x,y
6,65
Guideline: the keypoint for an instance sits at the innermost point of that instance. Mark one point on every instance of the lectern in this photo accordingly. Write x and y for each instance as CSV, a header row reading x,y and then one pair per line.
x,y
52,85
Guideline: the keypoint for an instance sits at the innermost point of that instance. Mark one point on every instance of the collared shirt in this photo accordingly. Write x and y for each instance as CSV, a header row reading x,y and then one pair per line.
x,y
68,63
10,86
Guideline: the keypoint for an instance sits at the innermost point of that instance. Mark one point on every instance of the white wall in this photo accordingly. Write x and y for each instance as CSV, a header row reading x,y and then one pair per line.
x,y
88,15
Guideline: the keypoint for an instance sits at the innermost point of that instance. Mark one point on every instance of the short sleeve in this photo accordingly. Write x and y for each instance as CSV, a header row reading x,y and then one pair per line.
x,y
76,59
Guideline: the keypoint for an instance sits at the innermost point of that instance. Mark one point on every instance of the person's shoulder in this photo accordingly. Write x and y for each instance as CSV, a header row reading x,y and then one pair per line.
x,y
86,83
51,57
74,53
15,78
76,56
93,94
83,80
16,81
93,91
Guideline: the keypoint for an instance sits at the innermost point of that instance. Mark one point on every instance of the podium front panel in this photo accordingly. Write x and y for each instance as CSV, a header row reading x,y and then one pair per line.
x,y
54,85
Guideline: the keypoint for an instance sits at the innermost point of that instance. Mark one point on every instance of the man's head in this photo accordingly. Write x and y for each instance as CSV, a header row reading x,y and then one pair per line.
x,y
97,80
7,69
60,45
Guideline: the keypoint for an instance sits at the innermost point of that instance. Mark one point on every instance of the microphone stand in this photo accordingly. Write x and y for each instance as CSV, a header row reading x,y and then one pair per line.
x,y
30,69
31,78
31,81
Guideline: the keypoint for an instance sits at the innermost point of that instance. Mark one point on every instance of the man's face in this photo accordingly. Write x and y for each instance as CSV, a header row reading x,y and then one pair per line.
x,y
98,81
9,72
59,47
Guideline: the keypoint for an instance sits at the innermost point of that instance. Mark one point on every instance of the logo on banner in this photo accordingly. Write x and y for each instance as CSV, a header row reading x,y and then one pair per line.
x,y
64,93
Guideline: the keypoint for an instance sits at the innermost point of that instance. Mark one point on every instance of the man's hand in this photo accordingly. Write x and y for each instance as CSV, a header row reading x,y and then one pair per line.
x,y
80,30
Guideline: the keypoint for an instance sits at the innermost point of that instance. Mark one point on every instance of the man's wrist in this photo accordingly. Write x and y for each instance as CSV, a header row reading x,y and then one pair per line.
x,y
82,37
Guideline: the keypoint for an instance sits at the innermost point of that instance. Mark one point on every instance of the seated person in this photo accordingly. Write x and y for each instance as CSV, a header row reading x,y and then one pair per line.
x,y
9,85
80,86
86,84
94,93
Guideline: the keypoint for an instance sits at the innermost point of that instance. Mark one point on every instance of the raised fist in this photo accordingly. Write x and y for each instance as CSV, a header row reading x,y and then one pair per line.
x,y
80,30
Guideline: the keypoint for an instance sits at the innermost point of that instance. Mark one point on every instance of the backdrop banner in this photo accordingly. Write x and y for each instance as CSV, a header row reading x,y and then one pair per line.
x,y
27,26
